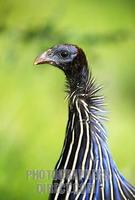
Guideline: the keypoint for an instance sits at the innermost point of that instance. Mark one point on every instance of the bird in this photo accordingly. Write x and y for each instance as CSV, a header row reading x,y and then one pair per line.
x,y
85,169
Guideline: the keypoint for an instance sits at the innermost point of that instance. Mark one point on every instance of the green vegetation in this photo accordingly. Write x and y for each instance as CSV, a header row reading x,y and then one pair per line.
x,y
33,113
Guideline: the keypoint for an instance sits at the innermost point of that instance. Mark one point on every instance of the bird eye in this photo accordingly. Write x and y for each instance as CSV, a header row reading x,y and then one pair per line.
x,y
64,54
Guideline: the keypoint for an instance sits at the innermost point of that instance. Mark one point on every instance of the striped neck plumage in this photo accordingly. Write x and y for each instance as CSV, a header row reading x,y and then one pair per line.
x,y
88,171
83,92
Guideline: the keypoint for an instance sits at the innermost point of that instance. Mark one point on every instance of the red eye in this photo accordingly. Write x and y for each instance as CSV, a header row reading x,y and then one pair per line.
x,y
64,54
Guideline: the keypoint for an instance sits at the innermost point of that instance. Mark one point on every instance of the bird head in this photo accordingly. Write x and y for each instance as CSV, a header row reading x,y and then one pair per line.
x,y
69,58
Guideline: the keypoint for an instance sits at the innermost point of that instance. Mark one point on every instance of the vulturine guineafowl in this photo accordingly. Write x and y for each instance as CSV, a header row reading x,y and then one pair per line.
x,y
85,169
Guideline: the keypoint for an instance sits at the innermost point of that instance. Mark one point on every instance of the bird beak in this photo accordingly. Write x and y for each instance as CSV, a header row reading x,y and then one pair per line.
x,y
42,59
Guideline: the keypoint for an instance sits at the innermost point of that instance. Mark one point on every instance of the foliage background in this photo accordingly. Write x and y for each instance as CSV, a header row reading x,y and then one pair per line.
x,y
33,112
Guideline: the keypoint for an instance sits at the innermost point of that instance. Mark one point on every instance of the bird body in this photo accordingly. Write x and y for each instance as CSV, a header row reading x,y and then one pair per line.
x,y
85,169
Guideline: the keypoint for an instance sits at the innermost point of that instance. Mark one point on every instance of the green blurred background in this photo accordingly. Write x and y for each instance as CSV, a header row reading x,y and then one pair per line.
x,y
33,112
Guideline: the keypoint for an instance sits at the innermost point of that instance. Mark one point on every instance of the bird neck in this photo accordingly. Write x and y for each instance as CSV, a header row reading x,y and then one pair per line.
x,y
88,170
83,128
77,78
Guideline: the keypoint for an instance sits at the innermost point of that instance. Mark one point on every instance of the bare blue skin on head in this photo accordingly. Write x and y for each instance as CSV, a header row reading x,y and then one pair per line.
x,y
56,55
71,60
